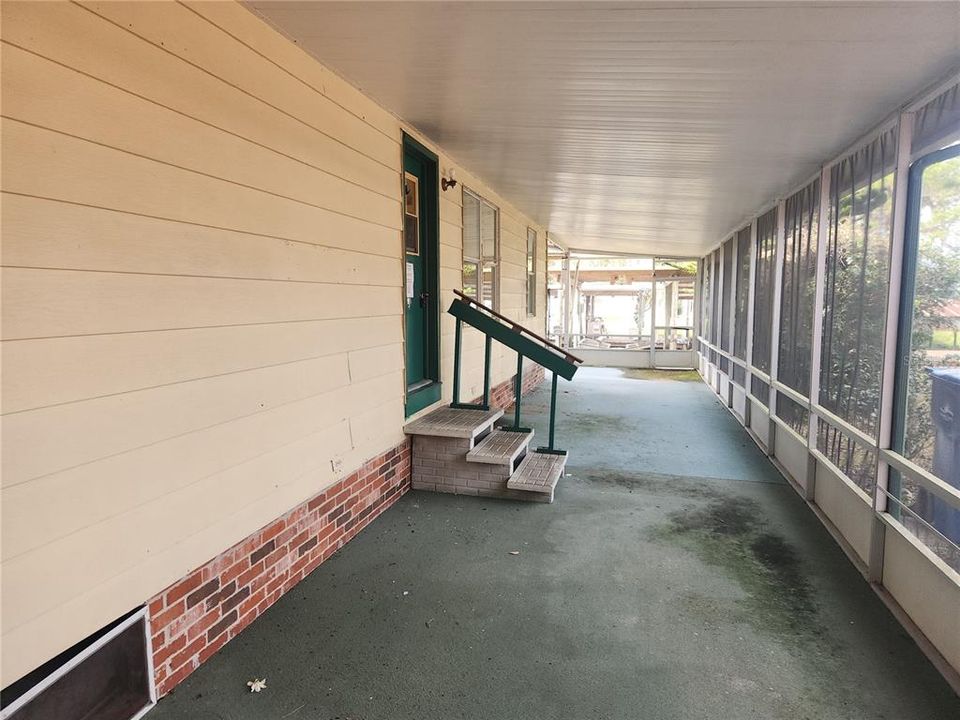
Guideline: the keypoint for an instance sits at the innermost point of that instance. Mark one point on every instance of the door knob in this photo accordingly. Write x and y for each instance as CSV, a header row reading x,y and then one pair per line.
x,y
424,298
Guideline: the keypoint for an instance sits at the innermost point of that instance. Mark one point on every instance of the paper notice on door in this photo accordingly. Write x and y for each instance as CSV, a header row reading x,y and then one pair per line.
x,y
410,279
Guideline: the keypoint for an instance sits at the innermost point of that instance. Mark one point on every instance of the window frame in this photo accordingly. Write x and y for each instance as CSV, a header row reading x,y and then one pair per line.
x,y
482,262
531,272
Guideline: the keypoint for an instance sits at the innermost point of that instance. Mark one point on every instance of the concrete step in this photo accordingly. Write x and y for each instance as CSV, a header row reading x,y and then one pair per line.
x,y
500,447
539,473
454,423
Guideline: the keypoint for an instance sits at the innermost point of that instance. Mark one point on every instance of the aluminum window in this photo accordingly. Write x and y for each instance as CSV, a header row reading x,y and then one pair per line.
x,y
726,302
764,277
928,407
855,301
798,290
531,272
481,249
741,295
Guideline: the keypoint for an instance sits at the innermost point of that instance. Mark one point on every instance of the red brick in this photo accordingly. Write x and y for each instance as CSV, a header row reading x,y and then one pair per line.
x,y
225,622
306,546
263,580
176,645
252,601
175,678
274,557
272,530
277,582
167,616
212,648
299,539
216,566
202,592
181,623
224,592
203,624
242,623
235,571
283,538
188,653
185,586
235,599
156,605
262,552
316,501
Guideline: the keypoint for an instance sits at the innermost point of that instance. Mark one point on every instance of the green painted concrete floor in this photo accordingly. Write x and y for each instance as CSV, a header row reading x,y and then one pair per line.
x,y
675,576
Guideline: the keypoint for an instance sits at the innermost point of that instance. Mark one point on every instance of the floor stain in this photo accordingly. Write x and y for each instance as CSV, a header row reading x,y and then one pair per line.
x,y
729,532
652,374
654,483
592,422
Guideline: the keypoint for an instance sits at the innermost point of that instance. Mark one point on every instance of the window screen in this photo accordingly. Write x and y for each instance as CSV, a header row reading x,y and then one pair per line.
x,y
481,241
726,302
766,247
703,269
798,289
741,297
706,326
855,298
715,304
937,124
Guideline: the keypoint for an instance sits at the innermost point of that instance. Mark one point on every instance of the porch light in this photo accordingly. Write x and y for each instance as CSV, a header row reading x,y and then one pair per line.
x,y
451,181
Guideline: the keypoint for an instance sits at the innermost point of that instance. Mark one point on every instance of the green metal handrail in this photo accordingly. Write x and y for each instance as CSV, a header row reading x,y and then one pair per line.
x,y
525,342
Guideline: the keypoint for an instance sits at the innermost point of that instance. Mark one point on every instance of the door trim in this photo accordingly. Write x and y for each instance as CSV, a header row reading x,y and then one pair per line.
x,y
429,392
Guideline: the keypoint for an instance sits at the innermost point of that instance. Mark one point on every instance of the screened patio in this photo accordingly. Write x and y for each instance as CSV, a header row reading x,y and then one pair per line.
x,y
290,288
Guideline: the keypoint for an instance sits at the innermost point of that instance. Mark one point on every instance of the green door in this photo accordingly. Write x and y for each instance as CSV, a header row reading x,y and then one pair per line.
x,y
421,301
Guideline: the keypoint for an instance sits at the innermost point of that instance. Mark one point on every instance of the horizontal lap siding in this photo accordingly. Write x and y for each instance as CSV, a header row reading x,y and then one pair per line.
x,y
202,298
201,304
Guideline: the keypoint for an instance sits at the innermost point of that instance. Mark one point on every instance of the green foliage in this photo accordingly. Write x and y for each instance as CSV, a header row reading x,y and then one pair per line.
x,y
937,283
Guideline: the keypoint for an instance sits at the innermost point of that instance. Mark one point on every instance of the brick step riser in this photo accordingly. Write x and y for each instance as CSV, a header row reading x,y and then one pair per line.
x,y
440,465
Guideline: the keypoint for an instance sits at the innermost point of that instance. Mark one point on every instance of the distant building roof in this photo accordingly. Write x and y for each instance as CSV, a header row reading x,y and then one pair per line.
x,y
950,309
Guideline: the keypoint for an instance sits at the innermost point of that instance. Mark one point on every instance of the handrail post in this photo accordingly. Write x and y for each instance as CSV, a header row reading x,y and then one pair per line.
x,y
486,370
519,392
456,362
553,409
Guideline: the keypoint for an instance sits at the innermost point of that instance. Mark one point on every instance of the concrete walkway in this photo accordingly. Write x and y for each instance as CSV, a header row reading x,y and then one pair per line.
x,y
676,576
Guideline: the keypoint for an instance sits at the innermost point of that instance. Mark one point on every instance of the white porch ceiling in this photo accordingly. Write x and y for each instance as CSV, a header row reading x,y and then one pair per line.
x,y
634,127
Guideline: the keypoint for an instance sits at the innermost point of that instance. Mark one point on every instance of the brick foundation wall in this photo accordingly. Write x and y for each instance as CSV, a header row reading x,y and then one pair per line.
x,y
440,465
199,614
501,396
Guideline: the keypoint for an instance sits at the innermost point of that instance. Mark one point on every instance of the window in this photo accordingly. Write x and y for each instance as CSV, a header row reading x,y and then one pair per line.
x,y
855,302
411,214
766,244
796,301
481,249
714,303
928,407
725,302
705,289
531,272
741,294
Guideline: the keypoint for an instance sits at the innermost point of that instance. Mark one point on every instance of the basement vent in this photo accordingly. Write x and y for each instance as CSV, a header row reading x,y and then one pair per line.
x,y
107,676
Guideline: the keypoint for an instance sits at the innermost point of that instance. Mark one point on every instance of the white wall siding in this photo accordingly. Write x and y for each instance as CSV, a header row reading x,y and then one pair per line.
x,y
202,298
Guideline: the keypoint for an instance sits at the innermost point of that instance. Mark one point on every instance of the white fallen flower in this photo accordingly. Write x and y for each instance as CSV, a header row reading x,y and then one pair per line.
x,y
257,684
514,552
